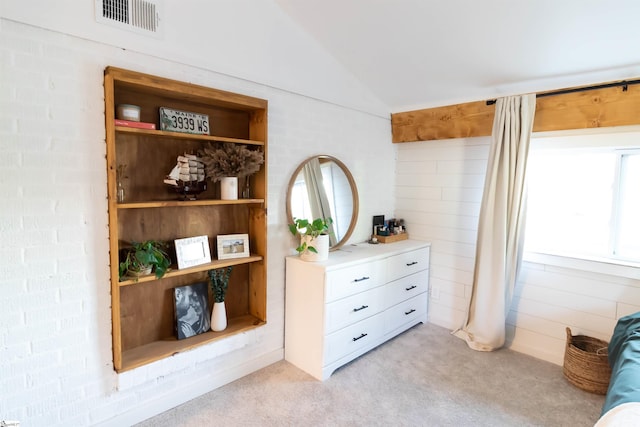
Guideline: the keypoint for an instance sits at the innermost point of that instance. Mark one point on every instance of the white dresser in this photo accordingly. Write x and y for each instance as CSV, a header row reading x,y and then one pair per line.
x,y
362,296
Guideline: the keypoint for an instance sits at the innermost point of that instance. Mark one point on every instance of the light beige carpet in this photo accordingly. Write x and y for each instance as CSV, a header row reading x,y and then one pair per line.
x,y
424,377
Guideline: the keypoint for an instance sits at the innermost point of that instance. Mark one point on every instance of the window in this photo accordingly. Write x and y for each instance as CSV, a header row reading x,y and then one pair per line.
x,y
627,237
584,197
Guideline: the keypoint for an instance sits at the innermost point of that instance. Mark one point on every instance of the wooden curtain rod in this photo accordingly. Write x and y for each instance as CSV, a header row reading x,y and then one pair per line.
x,y
625,86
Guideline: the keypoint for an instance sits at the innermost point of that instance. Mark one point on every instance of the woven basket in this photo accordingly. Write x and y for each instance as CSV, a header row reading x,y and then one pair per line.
x,y
586,363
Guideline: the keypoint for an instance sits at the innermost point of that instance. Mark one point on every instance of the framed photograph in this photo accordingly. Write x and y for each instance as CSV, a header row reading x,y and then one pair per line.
x,y
191,303
192,251
233,246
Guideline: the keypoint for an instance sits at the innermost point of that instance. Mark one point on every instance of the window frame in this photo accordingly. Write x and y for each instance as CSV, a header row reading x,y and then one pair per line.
x,y
625,139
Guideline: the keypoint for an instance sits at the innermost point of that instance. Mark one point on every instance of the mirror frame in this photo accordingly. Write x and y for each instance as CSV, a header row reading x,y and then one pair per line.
x,y
354,195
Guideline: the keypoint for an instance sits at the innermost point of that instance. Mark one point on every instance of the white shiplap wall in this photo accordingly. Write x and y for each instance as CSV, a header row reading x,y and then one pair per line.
x,y
438,192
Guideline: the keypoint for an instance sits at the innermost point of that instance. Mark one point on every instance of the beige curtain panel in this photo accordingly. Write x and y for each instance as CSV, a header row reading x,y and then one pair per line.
x,y
501,225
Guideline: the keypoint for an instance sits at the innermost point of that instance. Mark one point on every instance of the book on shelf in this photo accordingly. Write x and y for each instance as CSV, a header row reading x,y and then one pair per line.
x,y
132,124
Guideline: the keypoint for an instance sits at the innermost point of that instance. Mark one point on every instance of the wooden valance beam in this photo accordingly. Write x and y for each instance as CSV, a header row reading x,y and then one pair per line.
x,y
611,106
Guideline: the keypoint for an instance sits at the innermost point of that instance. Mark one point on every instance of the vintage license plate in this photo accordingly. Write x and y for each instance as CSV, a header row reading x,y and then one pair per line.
x,y
184,121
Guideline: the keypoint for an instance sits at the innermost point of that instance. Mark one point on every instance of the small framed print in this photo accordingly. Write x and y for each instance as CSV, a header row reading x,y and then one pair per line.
x,y
233,246
191,308
192,251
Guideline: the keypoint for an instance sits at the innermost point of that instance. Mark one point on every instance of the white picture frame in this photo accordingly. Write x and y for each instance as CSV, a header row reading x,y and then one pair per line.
x,y
192,251
233,246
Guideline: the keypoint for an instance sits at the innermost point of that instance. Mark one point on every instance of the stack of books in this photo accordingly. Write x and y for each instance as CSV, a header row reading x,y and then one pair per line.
x,y
132,124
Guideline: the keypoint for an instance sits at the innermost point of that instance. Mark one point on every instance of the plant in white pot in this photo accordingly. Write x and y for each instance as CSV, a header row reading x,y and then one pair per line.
x,y
314,238
226,162
219,279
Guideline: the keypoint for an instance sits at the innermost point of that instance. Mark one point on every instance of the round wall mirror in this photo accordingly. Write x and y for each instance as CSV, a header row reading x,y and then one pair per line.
x,y
323,187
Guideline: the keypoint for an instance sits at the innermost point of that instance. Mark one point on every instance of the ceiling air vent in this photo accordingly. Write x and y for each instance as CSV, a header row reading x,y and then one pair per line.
x,y
141,16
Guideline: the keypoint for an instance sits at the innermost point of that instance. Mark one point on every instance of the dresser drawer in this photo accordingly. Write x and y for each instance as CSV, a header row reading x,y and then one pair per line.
x,y
407,263
407,311
351,280
346,311
352,338
405,288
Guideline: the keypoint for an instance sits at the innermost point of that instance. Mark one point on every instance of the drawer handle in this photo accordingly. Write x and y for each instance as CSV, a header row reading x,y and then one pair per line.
x,y
361,308
410,287
409,312
412,263
361,336
361,279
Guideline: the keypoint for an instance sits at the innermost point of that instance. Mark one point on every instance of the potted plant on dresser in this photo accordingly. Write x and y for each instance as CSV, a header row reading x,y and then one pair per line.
x,y
226,162
314,238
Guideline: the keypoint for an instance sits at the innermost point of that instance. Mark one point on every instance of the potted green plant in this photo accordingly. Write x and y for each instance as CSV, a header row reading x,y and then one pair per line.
x,y
219,279
314,238
226,162
143,257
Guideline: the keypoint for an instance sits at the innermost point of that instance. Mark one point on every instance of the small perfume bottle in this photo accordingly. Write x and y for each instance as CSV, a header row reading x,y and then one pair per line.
x,y
120,175
120,193
246,192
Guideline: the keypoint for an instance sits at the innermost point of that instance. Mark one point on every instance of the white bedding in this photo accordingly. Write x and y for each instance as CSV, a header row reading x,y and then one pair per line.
x,y
625,415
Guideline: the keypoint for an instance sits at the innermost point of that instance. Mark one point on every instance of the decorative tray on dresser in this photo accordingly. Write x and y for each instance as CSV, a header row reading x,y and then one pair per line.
x,y
362,296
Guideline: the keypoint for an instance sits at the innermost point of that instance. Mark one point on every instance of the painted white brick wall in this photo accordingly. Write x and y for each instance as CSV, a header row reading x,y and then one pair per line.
x,y
439,188
55,321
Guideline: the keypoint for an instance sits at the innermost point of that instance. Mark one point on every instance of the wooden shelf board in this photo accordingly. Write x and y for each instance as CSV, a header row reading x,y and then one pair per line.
x,y
175,203
148,84
158,350
190,136
219,263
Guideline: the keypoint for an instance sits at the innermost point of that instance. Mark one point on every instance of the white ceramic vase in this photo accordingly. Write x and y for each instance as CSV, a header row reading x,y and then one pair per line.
x,y
229,188
218,317
321,243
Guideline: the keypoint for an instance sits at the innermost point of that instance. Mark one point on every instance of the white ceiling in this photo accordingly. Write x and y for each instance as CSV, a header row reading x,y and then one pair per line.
x,y
421,53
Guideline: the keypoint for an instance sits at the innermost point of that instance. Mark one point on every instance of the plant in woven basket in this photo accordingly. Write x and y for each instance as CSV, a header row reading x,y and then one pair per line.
x,y
219,279
141,257
228,160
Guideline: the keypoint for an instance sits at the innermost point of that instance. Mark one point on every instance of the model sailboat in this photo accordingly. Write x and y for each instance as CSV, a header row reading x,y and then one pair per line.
x,y
187,176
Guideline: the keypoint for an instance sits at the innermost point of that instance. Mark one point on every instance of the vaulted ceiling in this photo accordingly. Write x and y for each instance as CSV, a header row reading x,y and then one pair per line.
x,y
422,53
